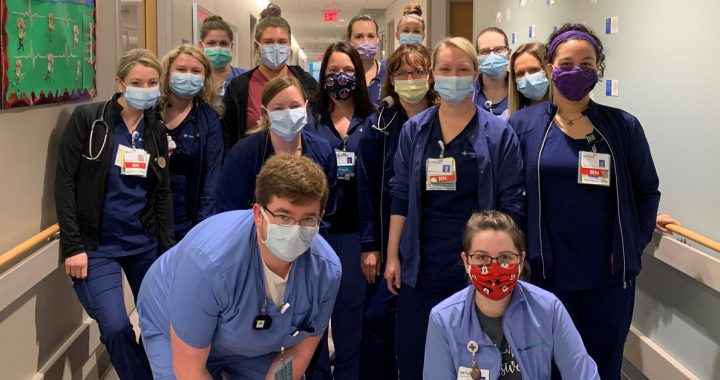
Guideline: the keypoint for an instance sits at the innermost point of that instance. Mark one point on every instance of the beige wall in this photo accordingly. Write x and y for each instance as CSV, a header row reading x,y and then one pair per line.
x,y
28,146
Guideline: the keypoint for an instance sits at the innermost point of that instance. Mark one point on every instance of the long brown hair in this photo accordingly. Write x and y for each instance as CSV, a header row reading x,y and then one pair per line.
x,y
364,107
516,100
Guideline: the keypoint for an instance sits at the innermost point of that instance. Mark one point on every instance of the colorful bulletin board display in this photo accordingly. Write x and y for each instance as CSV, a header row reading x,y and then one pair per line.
x,y
48,51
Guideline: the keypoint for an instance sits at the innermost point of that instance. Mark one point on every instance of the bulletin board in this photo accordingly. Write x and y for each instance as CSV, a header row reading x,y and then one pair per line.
x,y
48,51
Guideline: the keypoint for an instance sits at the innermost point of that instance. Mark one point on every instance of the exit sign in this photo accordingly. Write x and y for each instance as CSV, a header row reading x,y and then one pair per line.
x,y
330,16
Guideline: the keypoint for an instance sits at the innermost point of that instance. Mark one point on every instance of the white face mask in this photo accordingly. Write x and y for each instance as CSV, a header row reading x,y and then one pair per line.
x,y
287,124
287,243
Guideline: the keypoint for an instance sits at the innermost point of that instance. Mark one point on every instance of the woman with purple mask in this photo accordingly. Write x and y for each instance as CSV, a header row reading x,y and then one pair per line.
x,y
592,196
362,33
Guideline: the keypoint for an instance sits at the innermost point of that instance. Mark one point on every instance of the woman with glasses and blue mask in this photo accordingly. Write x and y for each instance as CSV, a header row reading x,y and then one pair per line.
x,y
452,159
528,81
493,51
500,327
341,115
362,33
592,196
411,27
247,294
241,105
216,40
282,131
194,135
114,204
409,85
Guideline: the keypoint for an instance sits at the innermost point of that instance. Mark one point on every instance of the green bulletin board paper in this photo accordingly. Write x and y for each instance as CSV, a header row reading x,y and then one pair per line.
x,y
48,51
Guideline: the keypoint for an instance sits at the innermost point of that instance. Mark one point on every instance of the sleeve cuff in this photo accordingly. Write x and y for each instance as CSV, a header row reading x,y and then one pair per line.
x,y
369,246
399,207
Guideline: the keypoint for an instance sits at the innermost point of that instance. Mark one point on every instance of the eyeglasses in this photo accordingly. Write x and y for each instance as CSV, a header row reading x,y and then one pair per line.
x,y
287,221
416,74
485,260
497,50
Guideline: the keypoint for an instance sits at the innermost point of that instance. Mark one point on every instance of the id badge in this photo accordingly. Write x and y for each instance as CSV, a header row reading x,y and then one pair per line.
x,y
345,164
284,370
465,373
120,156
135,162
440,174
594,168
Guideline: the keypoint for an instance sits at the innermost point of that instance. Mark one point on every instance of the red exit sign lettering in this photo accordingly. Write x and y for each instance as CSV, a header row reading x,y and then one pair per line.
x,y
330,16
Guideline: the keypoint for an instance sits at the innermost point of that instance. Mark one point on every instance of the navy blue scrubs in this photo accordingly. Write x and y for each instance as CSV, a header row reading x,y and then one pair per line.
x,y
377,360
124,246
195,167
343,236
582,275
498,109
375,87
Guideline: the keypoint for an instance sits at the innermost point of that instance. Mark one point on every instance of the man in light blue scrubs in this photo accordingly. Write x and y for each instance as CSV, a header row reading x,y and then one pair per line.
x,y
247,294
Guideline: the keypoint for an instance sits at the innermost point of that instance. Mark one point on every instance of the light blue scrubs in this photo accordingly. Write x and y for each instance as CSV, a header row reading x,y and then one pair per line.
x,y
210,288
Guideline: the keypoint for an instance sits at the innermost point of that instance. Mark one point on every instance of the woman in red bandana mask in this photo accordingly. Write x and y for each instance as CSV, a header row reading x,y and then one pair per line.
x,y
500,327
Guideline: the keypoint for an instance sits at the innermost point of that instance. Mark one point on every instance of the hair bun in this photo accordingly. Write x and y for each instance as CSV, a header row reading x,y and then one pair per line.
x,y
272,10
212,18
412,9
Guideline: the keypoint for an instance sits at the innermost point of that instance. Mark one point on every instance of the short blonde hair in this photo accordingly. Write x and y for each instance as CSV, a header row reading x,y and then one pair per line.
x,y
133,57
207,94
459,43
298,179
271,89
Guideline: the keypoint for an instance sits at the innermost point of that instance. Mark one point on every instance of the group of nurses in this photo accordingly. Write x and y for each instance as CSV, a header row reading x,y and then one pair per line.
x,y
242,103
409,85
247,294
282,131
114,207
342,112
500,327
592,196
186,106
452,159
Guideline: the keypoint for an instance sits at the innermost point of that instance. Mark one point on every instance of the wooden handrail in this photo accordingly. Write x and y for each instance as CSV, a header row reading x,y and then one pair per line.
x,y
694,236
27,247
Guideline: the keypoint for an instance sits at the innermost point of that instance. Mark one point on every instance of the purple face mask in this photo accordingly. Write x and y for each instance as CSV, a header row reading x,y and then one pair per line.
x,y
367,50
574,83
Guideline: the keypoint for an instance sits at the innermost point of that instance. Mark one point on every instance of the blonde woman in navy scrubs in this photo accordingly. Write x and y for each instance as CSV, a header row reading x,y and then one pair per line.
x,y
452,159
592,197
114,204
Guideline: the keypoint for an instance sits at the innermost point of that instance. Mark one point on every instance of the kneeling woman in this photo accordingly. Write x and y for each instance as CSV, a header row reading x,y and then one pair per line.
x,y
282,131
499,327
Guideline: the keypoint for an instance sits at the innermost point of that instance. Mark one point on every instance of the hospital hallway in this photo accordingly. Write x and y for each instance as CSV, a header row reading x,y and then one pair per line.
x,y
629,128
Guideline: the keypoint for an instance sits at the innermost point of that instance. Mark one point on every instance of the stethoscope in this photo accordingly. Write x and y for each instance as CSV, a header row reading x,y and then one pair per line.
x,y
95,123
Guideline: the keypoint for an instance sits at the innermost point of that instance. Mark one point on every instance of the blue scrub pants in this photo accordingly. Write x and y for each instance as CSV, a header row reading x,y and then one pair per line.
x,y
602,317
413,312
347,316
377,356
101,294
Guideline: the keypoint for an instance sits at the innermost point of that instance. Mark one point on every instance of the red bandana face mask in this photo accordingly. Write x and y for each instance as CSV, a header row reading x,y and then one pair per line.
x,y
495,281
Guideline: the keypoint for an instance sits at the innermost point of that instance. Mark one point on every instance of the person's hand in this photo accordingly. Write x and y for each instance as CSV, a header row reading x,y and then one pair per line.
x,y
664,219
77,265
370,265
392,274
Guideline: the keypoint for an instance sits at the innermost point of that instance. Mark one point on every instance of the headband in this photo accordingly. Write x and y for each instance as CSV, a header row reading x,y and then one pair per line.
x,y
571,34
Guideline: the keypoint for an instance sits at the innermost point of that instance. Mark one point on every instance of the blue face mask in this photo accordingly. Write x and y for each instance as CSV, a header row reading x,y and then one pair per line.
x,y
274,56
141,98
495,66
454,89
186,85
287,124
533,86
410,38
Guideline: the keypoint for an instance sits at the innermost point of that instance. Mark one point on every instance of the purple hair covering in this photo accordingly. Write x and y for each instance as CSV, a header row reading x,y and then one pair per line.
x,y
562,37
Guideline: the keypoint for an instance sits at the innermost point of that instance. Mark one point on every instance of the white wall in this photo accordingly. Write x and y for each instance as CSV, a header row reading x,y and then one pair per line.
x,y
663,57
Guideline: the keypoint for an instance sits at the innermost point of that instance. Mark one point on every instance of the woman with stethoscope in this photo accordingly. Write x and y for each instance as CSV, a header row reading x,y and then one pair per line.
x,y
114,203
362,33
342,112
216,40
500,327
194,135
452,159
493,51
282,131
528,82
592,197
408,87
